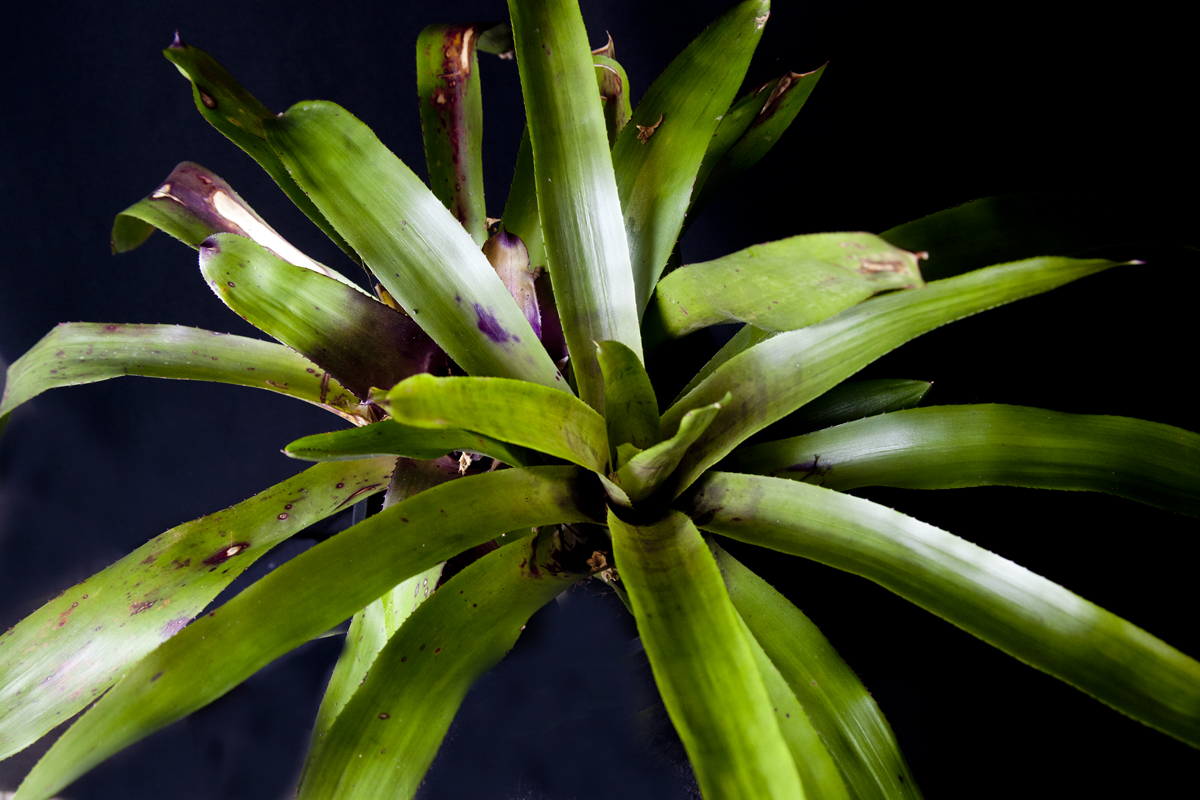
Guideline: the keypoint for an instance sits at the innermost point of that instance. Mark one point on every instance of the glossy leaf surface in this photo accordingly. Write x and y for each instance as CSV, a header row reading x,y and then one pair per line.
x,y
946,447
1006,605
702,663
239,116
388,734
303,598
783,285
451,104
578,205
522,413
850,723
64,655
397,439
797,366
416,248
75,353
655,173
362,342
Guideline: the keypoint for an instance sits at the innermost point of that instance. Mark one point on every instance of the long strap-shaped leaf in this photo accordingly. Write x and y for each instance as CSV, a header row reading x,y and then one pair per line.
x,y
415,247
947,447
75,353
303,598
847,402
65,654
396,439
702,663
361,341
655,173
193,204
848,719
512,411
1006,605
580,212
387,736
794,367
239,116
1008,227
748,131
448,87
783,285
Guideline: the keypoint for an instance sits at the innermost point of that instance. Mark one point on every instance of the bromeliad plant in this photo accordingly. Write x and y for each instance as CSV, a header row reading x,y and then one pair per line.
x,y
496,388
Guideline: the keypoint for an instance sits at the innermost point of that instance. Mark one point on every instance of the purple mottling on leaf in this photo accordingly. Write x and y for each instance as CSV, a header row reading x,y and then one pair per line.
x,y
491,326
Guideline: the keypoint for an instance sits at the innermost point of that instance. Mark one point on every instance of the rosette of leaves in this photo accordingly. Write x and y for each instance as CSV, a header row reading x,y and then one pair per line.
x,y
497,396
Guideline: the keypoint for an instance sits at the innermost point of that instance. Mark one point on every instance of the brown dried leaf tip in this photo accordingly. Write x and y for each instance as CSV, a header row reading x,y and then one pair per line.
x,y
646,131
607,50
597,562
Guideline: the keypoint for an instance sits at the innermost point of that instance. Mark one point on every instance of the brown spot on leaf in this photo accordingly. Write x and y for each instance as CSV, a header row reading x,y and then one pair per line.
x,y
209,101
226,552
646,131
141,606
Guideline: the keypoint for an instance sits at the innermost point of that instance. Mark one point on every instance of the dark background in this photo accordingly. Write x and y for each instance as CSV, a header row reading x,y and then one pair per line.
x,y
924,105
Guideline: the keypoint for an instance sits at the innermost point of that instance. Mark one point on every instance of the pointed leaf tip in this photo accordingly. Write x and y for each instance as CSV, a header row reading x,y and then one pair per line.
x,y
176,43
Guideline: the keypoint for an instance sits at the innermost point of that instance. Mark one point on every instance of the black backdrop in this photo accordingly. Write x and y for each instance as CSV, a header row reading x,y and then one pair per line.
x,y
924,105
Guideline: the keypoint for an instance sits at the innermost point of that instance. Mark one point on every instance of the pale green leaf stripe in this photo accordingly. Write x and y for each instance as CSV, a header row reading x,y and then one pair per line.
x,y
644,472
797,366
702,663
818,774
64,655
655,176
783,285
239,116
387,736
362,342
451,104
413,245
580,211
304,598
193,204
947,447
396,439
522,413
850,723
75,353
1002,603
630,407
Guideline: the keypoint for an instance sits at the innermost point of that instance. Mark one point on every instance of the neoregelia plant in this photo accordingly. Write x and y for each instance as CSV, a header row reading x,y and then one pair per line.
x,y
498,399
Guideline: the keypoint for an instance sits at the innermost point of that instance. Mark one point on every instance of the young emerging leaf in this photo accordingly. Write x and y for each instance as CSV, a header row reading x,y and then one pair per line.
x,y
643,472
630,410
614,93
510,258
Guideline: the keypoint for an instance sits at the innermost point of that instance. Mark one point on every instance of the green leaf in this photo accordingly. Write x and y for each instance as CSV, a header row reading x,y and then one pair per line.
x,y
239,116
193,204
781,286
614,92
1023,614
414,688
656,158
580,211
361,341
512,411
847,402
521,210
396,439
372,627
416,248
452,121
947,447
1008,227
75,353
64,655
303,598
630,409
748,131
702,663
644,472
850,723
797,366
746,337
496,38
